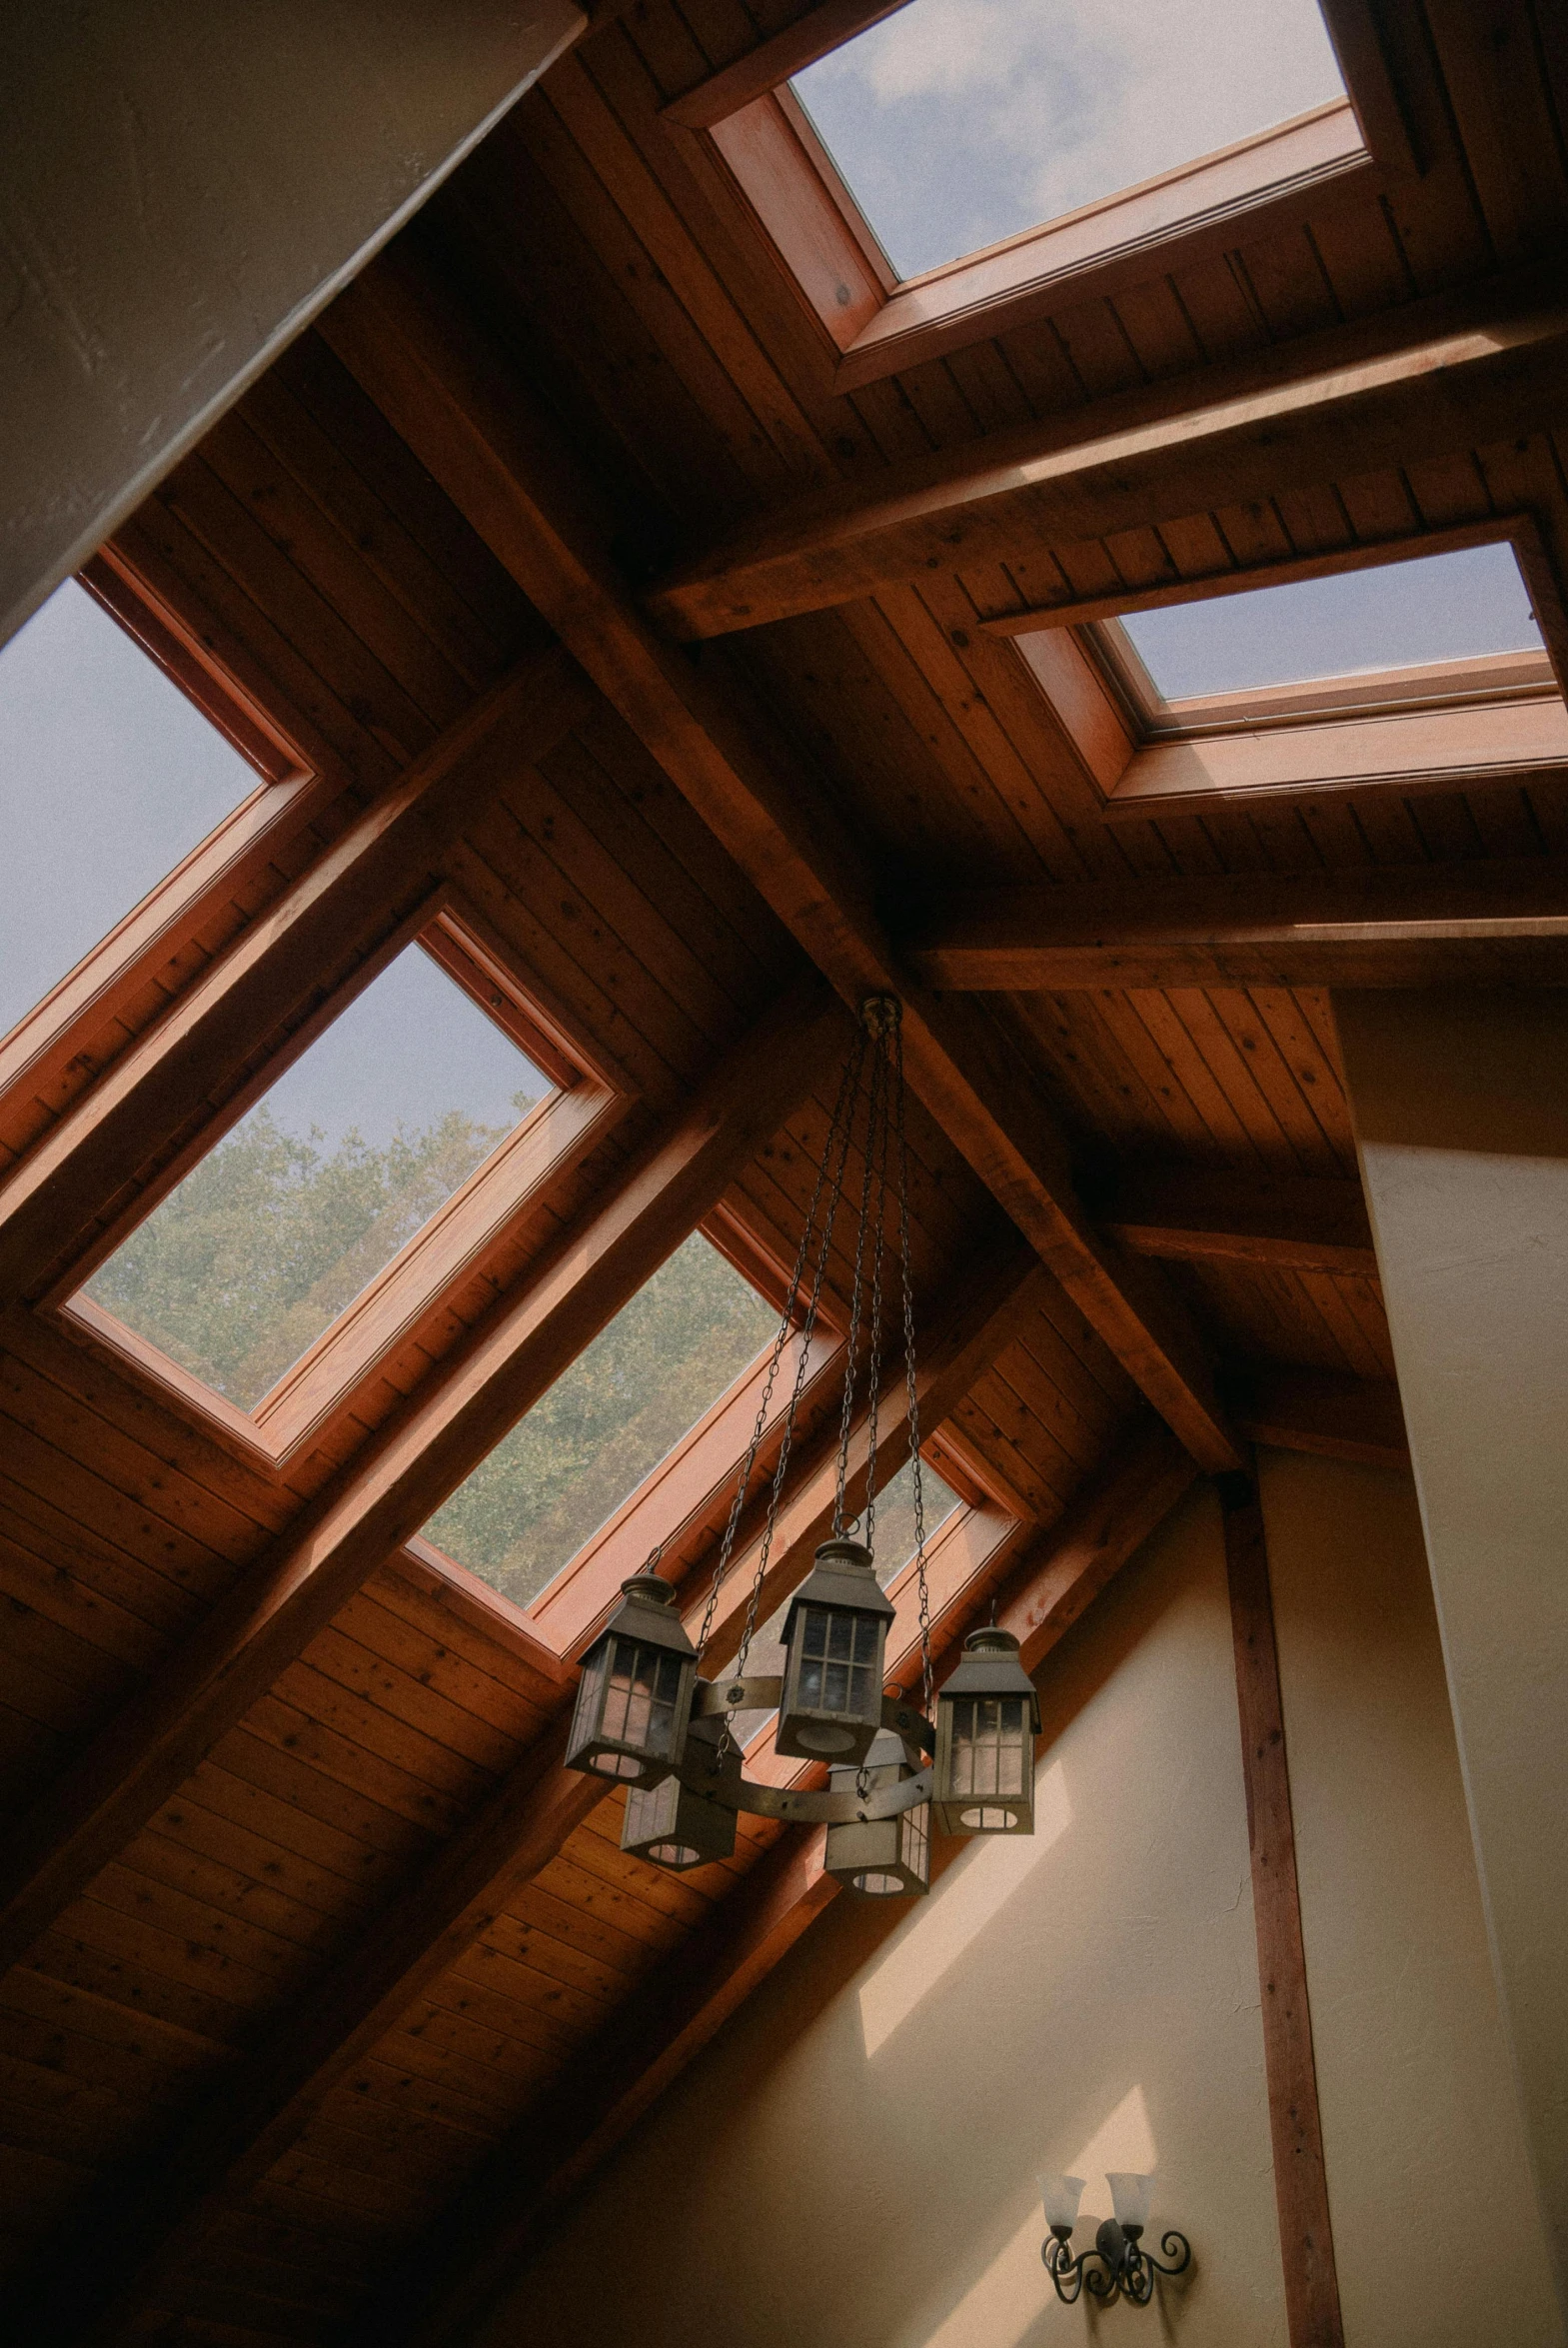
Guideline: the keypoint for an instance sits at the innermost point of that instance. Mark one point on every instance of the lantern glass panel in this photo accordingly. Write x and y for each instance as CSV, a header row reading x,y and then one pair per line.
x,y
841,1658
989,1746
641,1691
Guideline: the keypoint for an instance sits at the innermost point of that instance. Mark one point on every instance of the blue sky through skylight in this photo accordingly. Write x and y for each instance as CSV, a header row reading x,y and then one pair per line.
x,y
1434,608
108,776
959,122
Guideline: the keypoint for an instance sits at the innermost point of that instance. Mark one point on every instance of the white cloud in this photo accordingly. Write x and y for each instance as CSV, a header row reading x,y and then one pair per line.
x,y
1032,107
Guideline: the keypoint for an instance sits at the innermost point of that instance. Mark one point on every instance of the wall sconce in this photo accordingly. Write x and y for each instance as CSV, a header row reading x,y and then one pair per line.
x,y
1125,2270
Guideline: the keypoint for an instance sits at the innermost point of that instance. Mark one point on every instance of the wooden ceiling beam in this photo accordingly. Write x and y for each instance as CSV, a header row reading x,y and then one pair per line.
x,y
1437,375
813,34
470,421
1299,1222
355,893
1488,922
388,1490
1324,1412
477,2247
156,2208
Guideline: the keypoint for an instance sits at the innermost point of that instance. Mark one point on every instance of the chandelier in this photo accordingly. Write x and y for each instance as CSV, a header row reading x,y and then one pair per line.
x,y
644,1716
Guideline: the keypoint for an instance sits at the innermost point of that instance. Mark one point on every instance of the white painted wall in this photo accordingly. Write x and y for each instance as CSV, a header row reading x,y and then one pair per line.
x,y
1460,1100
181,189
1422,2138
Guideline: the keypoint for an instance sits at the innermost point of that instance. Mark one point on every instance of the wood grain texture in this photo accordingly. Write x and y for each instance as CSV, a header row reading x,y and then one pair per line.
x,y
1300,2186
1430,377
1395,927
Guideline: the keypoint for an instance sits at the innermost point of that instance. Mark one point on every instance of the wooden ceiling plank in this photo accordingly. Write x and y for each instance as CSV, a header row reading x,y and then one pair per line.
x,y
484,2238
381,1499
366,875
1379,926
1436,375
472,424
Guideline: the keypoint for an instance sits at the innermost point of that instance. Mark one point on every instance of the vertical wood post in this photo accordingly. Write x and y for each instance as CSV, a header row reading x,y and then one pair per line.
x,y
1302,2188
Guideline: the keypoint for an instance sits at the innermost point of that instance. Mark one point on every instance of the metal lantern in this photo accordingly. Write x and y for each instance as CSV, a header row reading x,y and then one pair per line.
x,y
987,1717
886,1858
635,1696
684,1821
834,1635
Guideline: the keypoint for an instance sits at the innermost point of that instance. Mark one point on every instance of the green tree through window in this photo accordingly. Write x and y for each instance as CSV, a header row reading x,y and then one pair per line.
x,y
605,1424
270,1238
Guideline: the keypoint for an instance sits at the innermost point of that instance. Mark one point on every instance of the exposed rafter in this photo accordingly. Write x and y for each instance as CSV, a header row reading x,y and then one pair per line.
x,y
1321,1410
387,1492
1427,380
1301,1223
1377,925
498,458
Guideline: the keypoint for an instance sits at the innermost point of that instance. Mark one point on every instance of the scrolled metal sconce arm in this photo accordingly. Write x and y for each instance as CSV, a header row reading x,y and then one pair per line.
x,y
1122,2268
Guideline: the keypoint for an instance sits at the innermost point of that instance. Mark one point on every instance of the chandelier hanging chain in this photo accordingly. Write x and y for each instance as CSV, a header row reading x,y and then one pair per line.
x,y
911,1382
882,1129
787,1441
848,1084
644,1716
852,1366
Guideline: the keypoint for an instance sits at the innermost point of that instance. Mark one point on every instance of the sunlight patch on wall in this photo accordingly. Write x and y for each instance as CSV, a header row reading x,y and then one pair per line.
x,y
1125,2141
1001,2308
973,1891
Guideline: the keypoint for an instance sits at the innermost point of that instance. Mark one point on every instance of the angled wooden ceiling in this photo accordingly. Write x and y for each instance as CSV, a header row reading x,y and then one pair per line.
x,y
326,1981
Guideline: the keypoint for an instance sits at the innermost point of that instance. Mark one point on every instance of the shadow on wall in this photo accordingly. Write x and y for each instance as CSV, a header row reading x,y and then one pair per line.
x,y
852,2164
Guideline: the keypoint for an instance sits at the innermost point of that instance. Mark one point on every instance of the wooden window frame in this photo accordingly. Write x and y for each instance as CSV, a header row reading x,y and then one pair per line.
x,y
1441,726
1352,148
38,1051
332,1380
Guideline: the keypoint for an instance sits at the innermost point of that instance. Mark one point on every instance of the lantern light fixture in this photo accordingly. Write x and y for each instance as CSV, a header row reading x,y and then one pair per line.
x,y
835,1637
687,1821
644,1716
635,1696
987,1718
1117,2266
886,1858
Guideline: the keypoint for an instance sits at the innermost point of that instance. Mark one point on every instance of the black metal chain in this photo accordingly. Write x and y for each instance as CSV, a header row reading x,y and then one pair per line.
x,y
878,1139
886,1162
791,1321
851,1368
912,1383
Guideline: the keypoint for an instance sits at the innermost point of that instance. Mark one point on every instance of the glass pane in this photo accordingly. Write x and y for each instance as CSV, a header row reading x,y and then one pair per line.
x,y
108,778
1436,608
278,1229
586,1445
989,1743
959,122
895,1517
640,1704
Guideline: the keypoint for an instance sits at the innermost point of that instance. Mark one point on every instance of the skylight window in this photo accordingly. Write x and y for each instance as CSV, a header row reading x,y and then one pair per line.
x,y
108,776
606,1424
958,123
267,1242
1461,606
